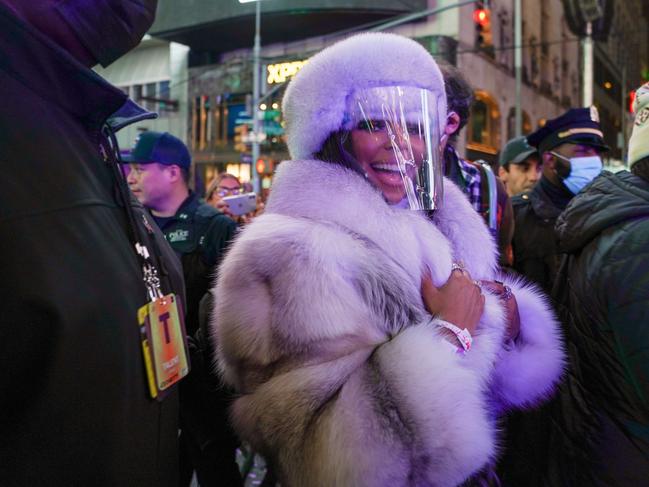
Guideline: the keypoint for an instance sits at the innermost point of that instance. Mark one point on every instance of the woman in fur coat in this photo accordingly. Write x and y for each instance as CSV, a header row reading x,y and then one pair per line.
x,y
363,352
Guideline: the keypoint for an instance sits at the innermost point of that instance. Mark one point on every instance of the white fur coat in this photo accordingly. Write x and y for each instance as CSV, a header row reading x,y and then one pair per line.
x,y
344,378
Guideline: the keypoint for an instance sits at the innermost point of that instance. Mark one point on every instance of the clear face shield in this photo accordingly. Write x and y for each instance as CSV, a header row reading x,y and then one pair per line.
x,y
395,139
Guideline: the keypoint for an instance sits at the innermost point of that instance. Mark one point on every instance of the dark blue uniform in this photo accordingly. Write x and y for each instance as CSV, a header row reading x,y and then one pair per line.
x,y
199,234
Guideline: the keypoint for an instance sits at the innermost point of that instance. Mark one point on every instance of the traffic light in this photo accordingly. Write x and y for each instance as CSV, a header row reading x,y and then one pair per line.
x,y
631,98
264,166
260,166
240,136
482,20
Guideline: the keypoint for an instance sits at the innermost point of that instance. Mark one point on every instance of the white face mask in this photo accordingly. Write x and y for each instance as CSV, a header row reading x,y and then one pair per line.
x,y
582,171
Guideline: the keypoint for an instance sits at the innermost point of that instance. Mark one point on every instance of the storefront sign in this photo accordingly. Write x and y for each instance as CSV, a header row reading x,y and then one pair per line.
x,y
280,72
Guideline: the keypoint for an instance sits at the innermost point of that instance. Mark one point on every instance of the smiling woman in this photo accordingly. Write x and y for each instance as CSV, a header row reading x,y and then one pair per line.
x,y
391,136
344,319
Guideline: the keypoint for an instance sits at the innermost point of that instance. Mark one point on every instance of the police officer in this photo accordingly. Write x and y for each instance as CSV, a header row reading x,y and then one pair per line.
x,y
158,177
569,148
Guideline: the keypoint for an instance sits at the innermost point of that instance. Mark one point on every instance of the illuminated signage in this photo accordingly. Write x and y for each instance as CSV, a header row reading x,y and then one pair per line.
x,y
279,73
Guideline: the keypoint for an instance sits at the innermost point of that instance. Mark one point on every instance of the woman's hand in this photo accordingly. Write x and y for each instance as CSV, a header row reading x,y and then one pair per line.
x,y
459,301
224,208
511,307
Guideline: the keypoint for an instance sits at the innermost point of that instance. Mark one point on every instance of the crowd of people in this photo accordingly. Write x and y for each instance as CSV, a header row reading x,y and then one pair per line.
x,y
394,315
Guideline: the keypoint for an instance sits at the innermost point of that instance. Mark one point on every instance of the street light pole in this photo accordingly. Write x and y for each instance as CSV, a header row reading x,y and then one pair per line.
x,y
256,128
518,64
588,66
255,100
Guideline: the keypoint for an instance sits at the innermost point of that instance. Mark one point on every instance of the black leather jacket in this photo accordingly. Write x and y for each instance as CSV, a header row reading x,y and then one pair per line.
x,y
73,396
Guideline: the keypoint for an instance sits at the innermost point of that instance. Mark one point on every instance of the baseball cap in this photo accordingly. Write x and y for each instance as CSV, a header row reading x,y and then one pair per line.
x,y
576,126
160,147
516,151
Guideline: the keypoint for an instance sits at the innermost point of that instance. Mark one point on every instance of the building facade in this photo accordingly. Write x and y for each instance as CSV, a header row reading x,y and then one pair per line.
x,y
220,37
621,65
154,75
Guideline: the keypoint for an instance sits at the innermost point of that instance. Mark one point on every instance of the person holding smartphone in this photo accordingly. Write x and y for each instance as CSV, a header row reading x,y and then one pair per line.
x,y
361,319
229,196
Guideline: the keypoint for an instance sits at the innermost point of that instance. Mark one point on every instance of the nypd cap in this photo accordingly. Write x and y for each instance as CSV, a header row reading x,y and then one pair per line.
x,y
576,126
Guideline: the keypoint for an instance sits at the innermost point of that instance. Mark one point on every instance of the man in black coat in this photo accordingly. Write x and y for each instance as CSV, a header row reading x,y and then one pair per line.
x,y
601,420
75,407
569,147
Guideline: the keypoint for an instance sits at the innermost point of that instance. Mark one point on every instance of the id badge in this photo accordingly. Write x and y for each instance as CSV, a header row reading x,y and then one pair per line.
x,y
164,344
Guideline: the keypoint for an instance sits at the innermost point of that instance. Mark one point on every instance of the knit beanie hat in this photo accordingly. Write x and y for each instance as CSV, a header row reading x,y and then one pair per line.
x,y
316,103
639,142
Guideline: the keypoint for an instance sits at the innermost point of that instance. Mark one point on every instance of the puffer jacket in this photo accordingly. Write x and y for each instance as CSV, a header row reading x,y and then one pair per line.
x,y
601,417
343,376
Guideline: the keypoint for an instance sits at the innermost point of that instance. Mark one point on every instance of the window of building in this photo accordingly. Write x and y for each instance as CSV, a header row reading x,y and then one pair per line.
x,y
152,96
483,130
164,93
150,91
136,94
511,123
201,123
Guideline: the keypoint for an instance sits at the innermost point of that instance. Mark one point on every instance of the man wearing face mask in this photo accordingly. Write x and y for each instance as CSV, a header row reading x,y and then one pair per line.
x,y
79,257
570,148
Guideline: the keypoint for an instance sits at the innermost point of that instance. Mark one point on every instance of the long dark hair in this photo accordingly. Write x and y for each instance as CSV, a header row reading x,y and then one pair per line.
x,y
337,150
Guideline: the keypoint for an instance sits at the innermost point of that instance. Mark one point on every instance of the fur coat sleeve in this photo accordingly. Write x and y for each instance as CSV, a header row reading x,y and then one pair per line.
x,y
344,378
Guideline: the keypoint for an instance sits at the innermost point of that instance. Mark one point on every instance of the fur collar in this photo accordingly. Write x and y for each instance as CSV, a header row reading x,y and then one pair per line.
x,y
330,193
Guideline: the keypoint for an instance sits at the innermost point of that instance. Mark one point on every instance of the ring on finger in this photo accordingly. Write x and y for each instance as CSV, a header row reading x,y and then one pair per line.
x,y
477,283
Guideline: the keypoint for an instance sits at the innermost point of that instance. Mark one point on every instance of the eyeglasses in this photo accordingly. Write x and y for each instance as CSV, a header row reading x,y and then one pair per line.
x,y
228,191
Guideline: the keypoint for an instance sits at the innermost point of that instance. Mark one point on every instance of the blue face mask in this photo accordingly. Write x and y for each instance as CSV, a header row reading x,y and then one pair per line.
x,y
582,171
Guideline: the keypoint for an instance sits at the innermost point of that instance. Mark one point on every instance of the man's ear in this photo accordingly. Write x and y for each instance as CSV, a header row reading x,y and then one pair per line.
x,y
452,123
174,172
502,174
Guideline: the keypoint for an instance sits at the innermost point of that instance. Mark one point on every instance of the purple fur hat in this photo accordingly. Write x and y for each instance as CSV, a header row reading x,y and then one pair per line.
x,y
316,102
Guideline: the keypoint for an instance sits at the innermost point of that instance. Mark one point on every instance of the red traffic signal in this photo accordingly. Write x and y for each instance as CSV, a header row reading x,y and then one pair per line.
x,y
264,166
482,19
481,16
631,100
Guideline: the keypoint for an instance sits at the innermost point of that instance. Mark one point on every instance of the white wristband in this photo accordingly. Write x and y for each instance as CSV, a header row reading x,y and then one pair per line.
x,y
463,336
